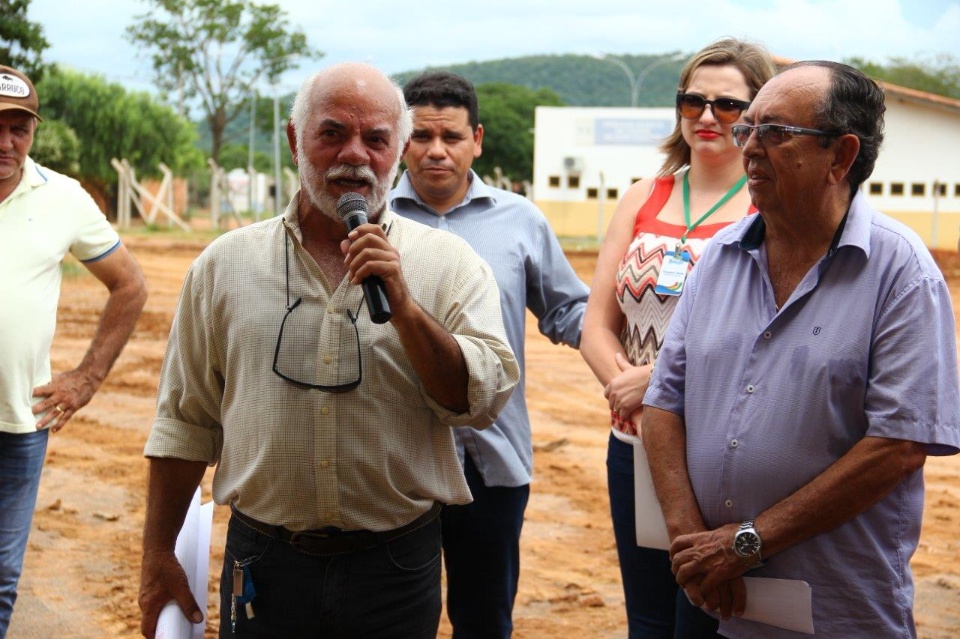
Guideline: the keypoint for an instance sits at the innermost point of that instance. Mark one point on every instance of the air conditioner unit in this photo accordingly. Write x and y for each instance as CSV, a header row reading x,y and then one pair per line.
x,y
573,165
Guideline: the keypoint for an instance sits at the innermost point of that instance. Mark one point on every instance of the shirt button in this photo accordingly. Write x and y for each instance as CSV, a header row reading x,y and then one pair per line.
x,y
728,503
767,335
324,463
734,443
751,388
325,410
327,359
329,311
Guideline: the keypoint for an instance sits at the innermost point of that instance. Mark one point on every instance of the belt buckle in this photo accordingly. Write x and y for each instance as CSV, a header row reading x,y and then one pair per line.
x,y
301,540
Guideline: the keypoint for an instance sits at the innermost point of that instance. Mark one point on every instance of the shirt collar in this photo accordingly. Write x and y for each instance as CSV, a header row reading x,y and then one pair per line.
x,y
477,190
854,229
31,177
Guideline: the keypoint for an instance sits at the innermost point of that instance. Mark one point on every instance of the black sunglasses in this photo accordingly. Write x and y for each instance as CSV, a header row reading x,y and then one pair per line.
x,y
690,106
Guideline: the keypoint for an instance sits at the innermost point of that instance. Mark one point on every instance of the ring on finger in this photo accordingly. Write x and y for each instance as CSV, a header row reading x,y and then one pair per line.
x,y
59,409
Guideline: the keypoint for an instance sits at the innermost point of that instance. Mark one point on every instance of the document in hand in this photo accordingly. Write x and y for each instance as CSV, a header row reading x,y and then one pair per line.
x,y
193,552
784,603
651,528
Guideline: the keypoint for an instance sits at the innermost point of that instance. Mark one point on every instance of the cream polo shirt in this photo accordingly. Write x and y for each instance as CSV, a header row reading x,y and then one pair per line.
x,y
371,458
45,217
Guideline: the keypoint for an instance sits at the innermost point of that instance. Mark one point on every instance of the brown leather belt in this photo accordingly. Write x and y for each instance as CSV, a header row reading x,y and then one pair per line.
x,y
333,541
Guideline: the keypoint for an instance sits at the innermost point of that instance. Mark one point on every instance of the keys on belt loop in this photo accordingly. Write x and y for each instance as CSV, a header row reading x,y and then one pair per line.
x,y
243,593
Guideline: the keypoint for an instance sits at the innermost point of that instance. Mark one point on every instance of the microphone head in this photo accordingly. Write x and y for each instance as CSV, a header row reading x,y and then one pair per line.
x,y
350,204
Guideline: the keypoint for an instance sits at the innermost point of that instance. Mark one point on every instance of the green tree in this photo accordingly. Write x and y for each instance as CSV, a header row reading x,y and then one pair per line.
x,y
215,50
507,115
21,41
236,156
236,137
940,74
112,122
56,146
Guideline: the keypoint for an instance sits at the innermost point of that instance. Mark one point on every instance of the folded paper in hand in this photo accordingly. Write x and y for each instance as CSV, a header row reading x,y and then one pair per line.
x,y
784,603
193,552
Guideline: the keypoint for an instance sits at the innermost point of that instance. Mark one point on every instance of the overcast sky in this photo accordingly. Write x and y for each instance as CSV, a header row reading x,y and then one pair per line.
x,y
402,36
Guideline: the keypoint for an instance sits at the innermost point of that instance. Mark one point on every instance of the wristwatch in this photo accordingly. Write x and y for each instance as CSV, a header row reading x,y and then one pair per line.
x,y
747,544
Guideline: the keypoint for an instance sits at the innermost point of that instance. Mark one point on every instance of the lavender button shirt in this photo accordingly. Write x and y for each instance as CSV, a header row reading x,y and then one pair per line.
x,y
865,346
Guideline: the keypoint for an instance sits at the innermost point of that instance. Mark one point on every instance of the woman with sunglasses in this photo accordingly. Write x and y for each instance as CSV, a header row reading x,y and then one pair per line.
x,y
656,235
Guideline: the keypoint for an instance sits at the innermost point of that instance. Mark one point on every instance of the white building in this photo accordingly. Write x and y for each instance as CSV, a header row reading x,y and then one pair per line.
x,y
586,157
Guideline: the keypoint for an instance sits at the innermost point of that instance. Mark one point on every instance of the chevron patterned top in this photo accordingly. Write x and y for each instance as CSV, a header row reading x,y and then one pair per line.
x,y
646,314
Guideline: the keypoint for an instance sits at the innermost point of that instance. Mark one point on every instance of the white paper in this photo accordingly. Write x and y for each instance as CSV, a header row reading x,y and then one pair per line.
x,y
651,527
193,552
784,603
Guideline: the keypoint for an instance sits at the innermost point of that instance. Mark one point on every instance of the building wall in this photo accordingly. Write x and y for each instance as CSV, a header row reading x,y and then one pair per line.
x,y
919,149
585,158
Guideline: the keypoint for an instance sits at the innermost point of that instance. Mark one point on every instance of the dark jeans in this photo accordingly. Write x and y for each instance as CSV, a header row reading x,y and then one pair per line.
x,y
656,606
481,552
21,460
390,591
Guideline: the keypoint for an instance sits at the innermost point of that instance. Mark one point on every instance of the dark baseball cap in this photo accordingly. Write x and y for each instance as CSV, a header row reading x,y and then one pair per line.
x,y
17,92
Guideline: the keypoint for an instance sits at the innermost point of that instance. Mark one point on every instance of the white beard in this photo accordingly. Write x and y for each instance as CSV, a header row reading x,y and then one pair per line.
x,y
314,185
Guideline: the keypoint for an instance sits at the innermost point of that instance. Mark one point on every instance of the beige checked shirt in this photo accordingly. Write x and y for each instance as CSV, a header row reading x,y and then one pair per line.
x,y
373,458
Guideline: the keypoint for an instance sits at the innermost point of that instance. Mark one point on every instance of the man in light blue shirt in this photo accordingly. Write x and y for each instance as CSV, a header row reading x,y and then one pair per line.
x,y
481,541
809,369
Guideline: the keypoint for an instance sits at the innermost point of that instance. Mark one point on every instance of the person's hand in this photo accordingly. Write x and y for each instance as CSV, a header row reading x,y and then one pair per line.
x,y
702,562
729,598
625,392
62,398
162,579
368,252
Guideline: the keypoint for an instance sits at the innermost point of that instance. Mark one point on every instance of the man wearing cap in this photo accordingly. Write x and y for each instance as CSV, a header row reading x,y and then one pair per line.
x,y
44,215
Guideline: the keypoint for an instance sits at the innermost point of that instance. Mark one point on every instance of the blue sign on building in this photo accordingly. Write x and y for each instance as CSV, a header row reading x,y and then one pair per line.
x,y
631,131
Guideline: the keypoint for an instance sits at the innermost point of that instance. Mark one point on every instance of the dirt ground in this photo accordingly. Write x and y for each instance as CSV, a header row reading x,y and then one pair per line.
x,y
82,566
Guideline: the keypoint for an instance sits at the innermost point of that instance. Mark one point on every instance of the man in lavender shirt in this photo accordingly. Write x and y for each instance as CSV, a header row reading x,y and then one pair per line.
x,y
808,371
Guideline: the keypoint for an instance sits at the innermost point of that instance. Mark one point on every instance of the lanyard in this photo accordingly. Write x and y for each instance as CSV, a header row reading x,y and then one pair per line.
x,y
686,205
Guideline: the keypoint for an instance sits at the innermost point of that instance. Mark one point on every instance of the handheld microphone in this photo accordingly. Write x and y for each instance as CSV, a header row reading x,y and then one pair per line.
x,y
352,210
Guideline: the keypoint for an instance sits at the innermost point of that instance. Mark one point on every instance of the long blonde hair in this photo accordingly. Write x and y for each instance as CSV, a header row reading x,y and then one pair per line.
x,y
753,61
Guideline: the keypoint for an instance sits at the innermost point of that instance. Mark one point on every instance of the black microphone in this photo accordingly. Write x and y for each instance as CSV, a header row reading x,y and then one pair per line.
x,y
352,209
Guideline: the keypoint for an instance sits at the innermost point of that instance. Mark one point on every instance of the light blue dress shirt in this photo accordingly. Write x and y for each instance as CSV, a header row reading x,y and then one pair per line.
x,y
865,346
514,237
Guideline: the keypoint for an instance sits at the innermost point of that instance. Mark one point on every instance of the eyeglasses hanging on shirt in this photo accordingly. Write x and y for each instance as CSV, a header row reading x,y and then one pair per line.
x,y
293,350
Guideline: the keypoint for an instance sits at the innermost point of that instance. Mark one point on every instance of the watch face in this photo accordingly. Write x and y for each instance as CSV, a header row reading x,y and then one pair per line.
x,y
746,543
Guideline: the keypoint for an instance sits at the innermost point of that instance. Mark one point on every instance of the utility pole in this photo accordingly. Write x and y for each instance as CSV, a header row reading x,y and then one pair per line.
x,y
180,98
278,184
251,171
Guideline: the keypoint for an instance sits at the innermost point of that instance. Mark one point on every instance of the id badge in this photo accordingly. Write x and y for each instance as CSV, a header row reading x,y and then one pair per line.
x,y
673,273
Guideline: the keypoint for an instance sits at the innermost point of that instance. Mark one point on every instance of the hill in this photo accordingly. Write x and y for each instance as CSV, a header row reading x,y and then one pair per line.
x,y
580,80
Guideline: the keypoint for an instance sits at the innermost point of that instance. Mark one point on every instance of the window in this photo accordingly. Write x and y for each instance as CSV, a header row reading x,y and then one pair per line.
x,y
637,179
612,194
896,188
554,181
573,181
956,190
939,188
918,188
592,193
876,188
